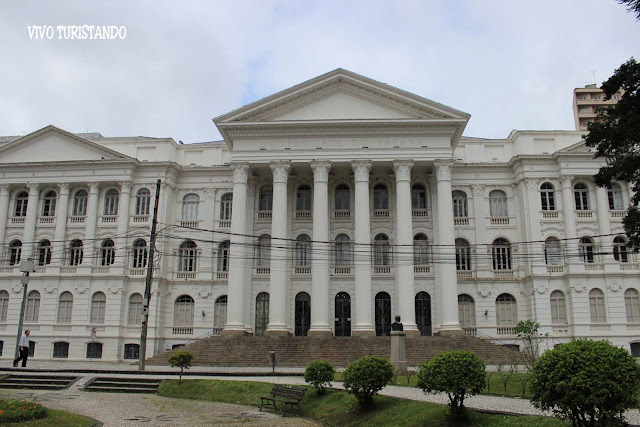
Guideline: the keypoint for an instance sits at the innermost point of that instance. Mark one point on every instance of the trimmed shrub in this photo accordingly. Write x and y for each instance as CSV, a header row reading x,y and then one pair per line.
x,y
181,359
366,377
459,373
319,373
587,382
14,411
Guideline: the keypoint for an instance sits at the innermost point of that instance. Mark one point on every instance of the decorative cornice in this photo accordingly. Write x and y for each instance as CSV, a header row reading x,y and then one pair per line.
x,y
402,169
321,171
361,170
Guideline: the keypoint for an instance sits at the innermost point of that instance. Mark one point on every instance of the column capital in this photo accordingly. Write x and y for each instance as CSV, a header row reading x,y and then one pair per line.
x,y
531,184
33,188
280,171
443,169
94,187
402,169
566,181
240,172
478,189
64,187
321,170
361,170
125,186
5,189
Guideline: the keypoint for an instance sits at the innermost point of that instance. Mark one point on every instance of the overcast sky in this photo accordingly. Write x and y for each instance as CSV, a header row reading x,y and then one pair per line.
x,y
184,62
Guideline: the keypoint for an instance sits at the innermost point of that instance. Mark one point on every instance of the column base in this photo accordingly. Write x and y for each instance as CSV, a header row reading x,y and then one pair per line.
x,y
450,333
363,334
233,333
320,333
279,333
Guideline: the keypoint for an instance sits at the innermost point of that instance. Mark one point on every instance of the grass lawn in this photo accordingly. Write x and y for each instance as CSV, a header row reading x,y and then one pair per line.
x,y
57,419
338,408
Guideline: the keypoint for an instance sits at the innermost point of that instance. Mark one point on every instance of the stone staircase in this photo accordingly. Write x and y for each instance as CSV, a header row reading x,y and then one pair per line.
x,y
122,385
37,381
340,351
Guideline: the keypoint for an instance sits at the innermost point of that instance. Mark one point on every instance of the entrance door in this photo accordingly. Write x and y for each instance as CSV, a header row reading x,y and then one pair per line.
x,y
303,314
423,313
262,313
383,314
343,315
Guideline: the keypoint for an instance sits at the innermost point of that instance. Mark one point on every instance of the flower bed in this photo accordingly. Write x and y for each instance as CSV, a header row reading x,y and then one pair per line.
x,y
20,410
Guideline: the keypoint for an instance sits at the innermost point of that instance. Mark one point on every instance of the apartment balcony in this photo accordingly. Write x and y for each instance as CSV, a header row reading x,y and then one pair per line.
x,y
263,271
617,214
381,214
503,274
555,269
222,275
419,213
382,270
551,216
465,274
17,220
299,270
46,221
303,214
100,269
140,219
421,270
505,330
182,331
77,221
9,269
263,215
628,266
108,219
186,275
136,272
594,266
585,215
191,223
224,223
341,214
342,270
461,221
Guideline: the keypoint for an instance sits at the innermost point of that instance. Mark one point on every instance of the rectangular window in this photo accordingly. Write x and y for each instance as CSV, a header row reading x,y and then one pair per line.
x,y
94,350
60,350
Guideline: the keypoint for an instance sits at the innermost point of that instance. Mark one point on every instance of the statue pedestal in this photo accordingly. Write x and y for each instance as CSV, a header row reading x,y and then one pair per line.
x,y
398,352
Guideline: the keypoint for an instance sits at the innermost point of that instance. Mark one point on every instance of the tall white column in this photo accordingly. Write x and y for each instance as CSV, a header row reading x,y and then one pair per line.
x,y
478,214
62,209
92,222
30,222
568,212
321,251
404,259
4,213
278,276
446,277
605,242
532,225
123,223
238,255
362,258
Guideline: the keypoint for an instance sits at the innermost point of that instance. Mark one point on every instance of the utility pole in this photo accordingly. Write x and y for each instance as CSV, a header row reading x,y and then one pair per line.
x,y
147,288
26,267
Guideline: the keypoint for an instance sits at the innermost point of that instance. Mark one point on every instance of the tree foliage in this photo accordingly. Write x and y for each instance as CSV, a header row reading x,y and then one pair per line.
x,y
366,377
459,373
587,382
319,373
181,359
616,138
528,332
633,6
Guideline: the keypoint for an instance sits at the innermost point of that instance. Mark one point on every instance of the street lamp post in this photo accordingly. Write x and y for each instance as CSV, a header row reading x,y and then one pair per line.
x,y
26,267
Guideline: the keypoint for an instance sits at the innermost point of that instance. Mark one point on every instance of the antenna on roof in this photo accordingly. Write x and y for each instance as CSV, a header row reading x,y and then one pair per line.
x,y
181,143
593,73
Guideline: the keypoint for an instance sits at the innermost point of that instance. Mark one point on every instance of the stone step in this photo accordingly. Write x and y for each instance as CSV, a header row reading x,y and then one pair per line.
x,y
122,385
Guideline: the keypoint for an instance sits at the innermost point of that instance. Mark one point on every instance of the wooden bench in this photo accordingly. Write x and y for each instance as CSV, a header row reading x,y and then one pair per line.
x,y
289,395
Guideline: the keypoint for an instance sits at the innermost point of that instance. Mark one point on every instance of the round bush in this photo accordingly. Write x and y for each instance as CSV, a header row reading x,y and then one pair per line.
x,y
319,373
587,382
12,411
366,377
459,373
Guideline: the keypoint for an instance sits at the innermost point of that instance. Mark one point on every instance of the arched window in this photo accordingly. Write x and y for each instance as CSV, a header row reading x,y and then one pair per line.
x,y
65,307
466,310
22,199
263,251
418,197
4,305
303,251
76,253
506,310
262,313
302,314
32,310
190,204
463,255
342,313
226,203
620,252
44,252
343,251
586,250
266,198
498,204
459,204
15,252
420,249
132,351
558,308
80,203
632,305
98,308
143,200
380,197
303,198
423,313
596,306
552,251
382,304
614,194
49,204
501,254
139,254
111,199
581,195
183,311
107,253
135,309
381,250
547,197
223,256
220,312
343,198
187,256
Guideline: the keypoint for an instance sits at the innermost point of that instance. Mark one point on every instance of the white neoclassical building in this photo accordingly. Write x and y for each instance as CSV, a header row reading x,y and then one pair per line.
x,y
328,208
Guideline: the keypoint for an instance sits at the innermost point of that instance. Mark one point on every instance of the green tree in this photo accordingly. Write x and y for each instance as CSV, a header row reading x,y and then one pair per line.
x,y
587,382
459,373
319,373
366,377
528,332
633,6
181,359
616,138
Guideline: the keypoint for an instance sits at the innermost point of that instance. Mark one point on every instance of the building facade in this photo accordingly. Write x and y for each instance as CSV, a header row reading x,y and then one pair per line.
x,y
586,102
327,209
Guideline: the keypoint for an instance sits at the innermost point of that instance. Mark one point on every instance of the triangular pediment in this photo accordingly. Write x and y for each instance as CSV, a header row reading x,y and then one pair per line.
x,y
51,144
578,147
